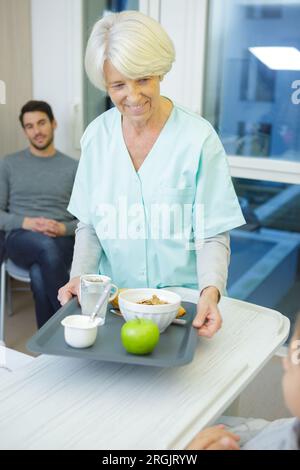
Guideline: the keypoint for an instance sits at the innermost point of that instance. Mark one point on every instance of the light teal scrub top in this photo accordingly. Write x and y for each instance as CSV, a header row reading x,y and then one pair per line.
x,y
186,170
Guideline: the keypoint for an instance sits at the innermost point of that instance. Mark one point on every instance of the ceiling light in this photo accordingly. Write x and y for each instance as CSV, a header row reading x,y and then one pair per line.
x,y
278,58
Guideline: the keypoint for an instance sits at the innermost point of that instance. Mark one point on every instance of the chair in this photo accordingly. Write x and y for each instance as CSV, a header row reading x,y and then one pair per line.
x,y
10,270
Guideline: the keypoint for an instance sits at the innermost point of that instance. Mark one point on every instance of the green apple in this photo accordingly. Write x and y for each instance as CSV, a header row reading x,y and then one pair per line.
x,y
139,336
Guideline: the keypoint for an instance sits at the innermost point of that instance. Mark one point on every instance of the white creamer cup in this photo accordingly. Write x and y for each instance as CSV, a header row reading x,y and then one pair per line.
x,y
80,331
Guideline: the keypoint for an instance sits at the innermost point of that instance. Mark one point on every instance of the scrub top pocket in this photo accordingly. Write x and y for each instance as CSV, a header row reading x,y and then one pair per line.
x,y
175,195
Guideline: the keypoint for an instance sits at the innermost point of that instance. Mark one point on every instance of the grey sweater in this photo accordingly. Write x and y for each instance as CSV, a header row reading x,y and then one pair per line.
x,y
33,186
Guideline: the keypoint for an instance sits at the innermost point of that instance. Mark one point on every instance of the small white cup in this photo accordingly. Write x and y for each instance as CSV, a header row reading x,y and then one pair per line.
x,y
80,331
91,287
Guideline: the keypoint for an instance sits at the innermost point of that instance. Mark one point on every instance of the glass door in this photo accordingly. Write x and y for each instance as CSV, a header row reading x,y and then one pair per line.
x,y
252,98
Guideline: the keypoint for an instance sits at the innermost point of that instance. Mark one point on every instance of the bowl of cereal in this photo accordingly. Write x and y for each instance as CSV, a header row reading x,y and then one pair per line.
x,y
159,305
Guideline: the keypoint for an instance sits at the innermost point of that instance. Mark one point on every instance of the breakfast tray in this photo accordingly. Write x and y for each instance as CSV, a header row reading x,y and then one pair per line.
x,y
176,346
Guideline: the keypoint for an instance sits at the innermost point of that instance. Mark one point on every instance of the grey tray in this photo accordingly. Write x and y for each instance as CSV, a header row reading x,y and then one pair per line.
x,y
176,345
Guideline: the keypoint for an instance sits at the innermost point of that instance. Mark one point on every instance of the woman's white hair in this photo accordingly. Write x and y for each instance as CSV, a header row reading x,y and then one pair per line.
x,y
136,45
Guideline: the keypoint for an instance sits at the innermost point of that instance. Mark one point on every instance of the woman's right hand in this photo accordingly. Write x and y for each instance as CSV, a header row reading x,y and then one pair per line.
x,y
72,288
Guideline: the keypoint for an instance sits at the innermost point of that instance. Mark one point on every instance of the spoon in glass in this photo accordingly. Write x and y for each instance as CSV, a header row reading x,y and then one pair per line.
x,y
102,298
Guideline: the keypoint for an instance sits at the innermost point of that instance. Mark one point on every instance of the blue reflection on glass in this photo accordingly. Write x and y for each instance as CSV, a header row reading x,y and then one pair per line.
x,y
255,112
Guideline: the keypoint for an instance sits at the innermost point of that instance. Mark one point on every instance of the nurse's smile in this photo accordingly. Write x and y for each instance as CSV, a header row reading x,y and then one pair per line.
x,y
136,109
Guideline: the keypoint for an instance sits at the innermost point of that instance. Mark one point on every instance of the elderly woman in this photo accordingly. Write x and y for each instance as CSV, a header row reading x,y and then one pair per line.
x,y
153,192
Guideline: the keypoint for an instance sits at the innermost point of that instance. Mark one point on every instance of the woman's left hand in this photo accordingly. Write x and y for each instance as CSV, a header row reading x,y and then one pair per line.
x,y
208,319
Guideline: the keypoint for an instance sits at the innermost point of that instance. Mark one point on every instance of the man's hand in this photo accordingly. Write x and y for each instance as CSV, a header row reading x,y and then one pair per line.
x,y
53,228
208,319
46,226
70,289
35,224
215,438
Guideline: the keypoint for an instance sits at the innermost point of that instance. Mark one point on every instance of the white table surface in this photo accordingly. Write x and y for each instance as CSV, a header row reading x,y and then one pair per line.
x,y
67,403
11,361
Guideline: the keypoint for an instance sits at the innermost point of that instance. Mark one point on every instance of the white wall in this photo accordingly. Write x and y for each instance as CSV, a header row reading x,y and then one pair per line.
x,y
15,71
57,66
185,22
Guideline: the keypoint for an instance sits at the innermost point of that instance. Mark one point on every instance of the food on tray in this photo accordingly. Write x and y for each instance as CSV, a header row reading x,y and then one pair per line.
x,y
181,312
115,303
153,301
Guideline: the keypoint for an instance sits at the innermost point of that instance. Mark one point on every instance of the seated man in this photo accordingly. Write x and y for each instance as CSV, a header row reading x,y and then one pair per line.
x,y
35,188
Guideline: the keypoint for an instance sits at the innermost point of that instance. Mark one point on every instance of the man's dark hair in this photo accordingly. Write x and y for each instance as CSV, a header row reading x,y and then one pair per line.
x,y
32,106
